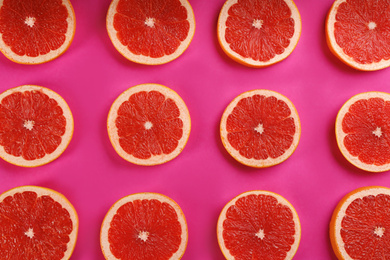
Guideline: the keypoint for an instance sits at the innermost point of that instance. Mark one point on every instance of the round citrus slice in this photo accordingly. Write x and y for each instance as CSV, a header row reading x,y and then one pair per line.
x,y
148,124
360,225
144,226
36,223
260,128
357,33
361,131
258,225
151,32
259,34
35,31
36,125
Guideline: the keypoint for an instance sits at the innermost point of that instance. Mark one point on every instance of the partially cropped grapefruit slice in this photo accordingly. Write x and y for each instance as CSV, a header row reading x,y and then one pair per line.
x,y
151,32
360,225
259,34
258,225
260,128
36,223
149,124
36,125
358,32
144,226
362,131
35,31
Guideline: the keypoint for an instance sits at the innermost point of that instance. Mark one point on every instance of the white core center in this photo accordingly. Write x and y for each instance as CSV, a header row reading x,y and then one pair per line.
x,y
371,25
377,132
30,21
28,124
143,235
257,23
150,22
260,234
259,128
148,125
379,231
29,233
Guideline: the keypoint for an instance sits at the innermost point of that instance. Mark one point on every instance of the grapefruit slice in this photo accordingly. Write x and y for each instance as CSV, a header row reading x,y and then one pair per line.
x,y
361,131
144,226
151,32
35,31
148,124
357,33
260,128
258,225
259,34
36,125
360,225
36,223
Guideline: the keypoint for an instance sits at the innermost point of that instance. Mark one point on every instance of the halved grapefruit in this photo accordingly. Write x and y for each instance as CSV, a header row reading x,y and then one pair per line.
x,y
258,225
151,32
260,128
36,125
360,225
358,31
35,31
259,34
144,226
148,124
36,223
362,126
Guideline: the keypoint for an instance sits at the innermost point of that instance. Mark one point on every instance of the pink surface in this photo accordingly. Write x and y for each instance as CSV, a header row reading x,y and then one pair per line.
x,y
91,74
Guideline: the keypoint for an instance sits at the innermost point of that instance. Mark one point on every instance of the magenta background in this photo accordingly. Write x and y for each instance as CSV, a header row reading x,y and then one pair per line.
x,y
91,74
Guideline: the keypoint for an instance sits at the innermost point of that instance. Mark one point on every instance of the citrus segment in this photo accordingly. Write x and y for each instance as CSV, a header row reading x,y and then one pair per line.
x,y
36,223
357,33
144,226
259,34
35,31
260,128
36,125
361,131
258,225
151,32
360,224
149,124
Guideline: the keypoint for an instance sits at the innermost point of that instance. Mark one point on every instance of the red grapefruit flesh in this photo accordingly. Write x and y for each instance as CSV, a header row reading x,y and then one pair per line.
x,y
360,224
258,225
259,34
36,125
144,226
35,31
361,131
357,33
151,32
149,124
36,223
260,128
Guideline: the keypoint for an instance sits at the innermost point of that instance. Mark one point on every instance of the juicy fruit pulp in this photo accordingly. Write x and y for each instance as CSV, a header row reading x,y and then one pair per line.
x,y
145,229
31,124
33,27
365,227
361,30
33,227
149,124
365,125
260,127
157,28
258,225
259,30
